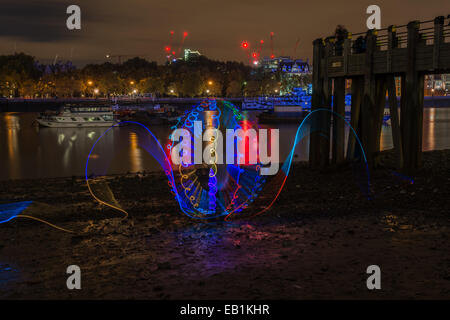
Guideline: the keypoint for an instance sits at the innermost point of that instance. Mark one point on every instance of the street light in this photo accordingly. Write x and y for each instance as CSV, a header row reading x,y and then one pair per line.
x,y
89,83
96,91
210,82
131,82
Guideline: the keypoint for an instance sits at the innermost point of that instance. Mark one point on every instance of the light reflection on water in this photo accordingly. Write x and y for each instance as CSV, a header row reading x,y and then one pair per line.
x,y
30,152
135,154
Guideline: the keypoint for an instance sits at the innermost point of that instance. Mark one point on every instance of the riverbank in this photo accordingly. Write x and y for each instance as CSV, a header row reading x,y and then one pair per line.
x,y
54,104
316,241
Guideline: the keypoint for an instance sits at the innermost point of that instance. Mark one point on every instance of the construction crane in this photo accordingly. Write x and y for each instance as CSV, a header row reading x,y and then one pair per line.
x,y
296,46
272,55
120,56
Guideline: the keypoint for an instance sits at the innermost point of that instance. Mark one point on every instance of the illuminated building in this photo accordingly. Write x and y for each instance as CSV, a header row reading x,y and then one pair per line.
x,y
286,65
447,83
398,86
437,84
190,55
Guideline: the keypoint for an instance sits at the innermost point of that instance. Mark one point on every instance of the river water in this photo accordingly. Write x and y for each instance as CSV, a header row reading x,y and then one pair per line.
x,y
27,151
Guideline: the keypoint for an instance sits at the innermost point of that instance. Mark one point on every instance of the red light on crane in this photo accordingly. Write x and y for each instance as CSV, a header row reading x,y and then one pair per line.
x,y
245,44
185,34
272,55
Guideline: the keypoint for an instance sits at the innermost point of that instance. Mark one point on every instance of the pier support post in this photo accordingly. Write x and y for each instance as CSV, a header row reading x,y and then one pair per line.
x,y
325,117
338,121
380,104
357,93
395,124
316,102
368,104
438,40
413,108
319,148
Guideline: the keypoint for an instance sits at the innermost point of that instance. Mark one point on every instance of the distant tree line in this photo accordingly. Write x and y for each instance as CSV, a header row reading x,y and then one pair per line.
x,y
21,75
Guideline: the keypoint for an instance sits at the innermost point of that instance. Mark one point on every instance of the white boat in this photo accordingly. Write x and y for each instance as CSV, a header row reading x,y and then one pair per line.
x,y
72,117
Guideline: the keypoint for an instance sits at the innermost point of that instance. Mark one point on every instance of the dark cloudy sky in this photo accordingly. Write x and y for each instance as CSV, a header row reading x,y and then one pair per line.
x,y
216,27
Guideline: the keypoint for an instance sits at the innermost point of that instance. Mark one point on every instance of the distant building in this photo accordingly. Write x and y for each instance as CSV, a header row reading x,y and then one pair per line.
x,y
447,83
286,65
398,86
437,84
190,55
270,65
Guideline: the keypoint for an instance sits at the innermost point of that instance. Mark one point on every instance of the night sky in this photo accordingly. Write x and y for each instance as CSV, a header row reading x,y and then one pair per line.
x,y
216,28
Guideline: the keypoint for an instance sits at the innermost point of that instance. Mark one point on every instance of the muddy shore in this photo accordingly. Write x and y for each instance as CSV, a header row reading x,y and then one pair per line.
x,y
315,243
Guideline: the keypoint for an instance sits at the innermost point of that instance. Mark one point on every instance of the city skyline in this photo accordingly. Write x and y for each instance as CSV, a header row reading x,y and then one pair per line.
x,y
142,28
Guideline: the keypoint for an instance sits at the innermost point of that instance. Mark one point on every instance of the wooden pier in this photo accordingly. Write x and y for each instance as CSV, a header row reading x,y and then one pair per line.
x,y
372,61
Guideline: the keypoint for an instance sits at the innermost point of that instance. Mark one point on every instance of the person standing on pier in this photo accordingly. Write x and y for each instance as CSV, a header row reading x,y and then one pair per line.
x,y
340,34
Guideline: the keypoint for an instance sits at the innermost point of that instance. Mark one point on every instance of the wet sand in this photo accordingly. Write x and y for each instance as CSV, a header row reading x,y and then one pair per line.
x,y
315,243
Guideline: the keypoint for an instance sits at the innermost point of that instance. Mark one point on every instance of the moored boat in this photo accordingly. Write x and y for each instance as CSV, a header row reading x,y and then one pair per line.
x,y
79,116
283,114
